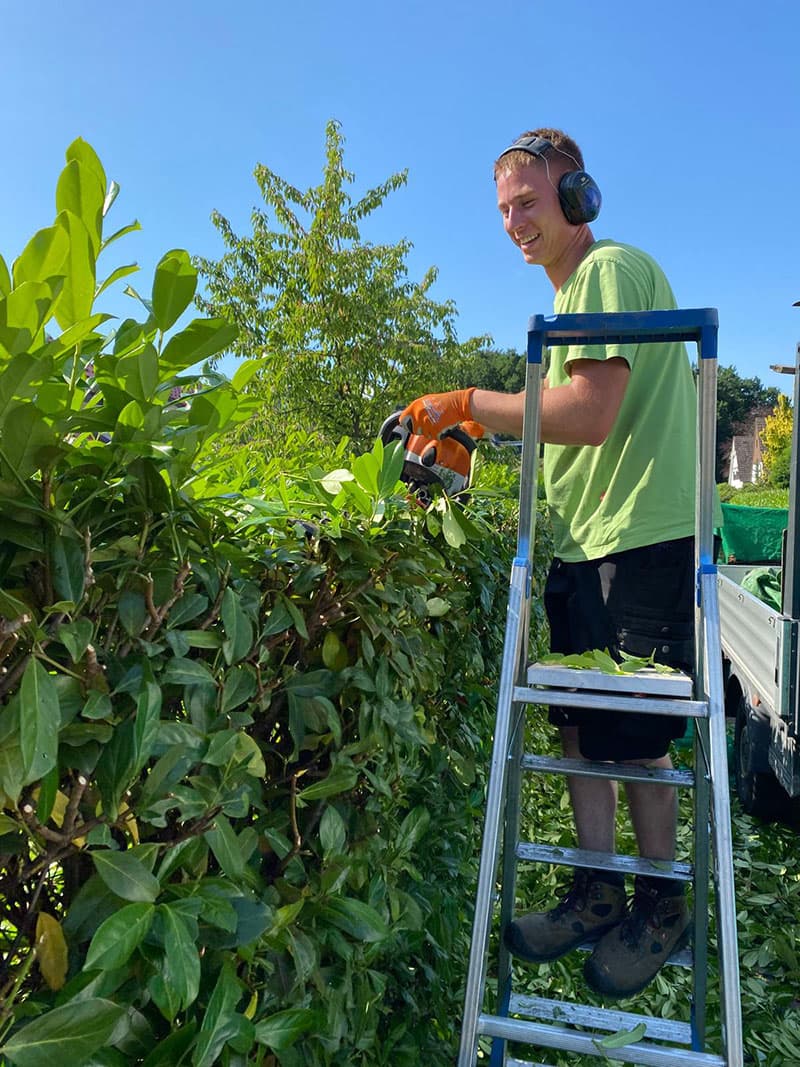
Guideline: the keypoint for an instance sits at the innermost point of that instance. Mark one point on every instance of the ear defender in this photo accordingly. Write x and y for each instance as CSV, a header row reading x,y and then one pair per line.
x,y
578,193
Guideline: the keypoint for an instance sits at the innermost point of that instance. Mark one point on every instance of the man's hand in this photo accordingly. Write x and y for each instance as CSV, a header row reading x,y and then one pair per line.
x,y
429,416
442,456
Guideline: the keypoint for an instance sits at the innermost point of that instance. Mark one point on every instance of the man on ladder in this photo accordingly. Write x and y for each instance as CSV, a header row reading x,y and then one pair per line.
x,y
618,422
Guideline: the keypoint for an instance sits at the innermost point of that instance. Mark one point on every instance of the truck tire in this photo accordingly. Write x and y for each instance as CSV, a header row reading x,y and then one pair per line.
x,y
759,791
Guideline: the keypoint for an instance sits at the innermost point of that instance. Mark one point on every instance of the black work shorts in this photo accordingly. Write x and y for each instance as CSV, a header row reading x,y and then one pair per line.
x,y
639,601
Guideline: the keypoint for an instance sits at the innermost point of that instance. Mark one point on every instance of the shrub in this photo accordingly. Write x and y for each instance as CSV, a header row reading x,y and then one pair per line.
x,y
245,709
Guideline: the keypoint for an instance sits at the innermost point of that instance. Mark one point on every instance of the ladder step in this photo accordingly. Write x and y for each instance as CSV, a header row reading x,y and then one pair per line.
x,y
548,1036
611,701
648,682
603,861
564,1012
620,772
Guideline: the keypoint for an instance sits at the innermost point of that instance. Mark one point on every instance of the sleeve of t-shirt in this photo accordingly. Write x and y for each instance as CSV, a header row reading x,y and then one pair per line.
x,y
607,285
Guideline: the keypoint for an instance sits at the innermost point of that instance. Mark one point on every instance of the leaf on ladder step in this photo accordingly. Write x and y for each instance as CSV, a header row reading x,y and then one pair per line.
x,y
621,1038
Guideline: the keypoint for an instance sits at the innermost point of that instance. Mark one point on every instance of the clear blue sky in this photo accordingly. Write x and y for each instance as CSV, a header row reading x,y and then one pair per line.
x,y
687,113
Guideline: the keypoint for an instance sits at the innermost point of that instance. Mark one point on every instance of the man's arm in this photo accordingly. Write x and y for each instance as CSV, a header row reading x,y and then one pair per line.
x,y
581,412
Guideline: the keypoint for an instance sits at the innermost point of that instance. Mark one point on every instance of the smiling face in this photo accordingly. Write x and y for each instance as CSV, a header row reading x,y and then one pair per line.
x,y
532,217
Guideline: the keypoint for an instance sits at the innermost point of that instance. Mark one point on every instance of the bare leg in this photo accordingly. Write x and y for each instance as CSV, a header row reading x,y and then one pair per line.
x,y
654,813
594,801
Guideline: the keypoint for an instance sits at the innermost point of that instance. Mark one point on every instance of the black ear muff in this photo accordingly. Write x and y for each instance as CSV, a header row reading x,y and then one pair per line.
x,y
578,192
579,197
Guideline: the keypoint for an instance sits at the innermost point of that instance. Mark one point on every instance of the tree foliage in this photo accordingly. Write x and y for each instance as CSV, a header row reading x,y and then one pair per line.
x,y
777,441
501,370
739,402
343,336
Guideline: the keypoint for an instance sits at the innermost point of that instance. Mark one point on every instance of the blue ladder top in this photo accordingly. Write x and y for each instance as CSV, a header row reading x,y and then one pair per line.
x,y
606,328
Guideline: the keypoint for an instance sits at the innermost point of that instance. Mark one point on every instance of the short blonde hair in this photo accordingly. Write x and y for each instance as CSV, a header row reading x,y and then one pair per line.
x,y
565,155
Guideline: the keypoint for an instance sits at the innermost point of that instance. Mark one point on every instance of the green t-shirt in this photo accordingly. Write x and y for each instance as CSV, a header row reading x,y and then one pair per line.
x,y
638,487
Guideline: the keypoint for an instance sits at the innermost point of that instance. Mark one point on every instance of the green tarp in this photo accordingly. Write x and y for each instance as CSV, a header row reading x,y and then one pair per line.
x,y
752,535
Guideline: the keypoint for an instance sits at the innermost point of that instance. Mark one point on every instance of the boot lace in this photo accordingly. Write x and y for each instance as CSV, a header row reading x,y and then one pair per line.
x,y
574,897
643,911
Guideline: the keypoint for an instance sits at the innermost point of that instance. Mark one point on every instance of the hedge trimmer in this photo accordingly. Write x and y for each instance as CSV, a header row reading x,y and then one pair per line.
x,y
445,461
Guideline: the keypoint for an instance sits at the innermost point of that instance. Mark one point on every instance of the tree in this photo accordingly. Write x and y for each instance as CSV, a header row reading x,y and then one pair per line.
x,y
777,440
739,402
343,336
502,370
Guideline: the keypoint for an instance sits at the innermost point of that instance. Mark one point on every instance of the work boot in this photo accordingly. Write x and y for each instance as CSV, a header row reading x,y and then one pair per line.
x,y
629,957
586,911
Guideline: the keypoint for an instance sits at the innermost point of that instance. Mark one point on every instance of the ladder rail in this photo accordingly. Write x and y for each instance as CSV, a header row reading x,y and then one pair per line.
x,y
518,602
721,829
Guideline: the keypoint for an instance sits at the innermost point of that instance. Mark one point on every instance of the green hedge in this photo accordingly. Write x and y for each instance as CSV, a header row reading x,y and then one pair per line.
x,y
243,729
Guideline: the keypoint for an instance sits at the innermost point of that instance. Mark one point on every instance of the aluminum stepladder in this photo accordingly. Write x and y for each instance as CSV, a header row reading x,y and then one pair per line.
x,y
575,1027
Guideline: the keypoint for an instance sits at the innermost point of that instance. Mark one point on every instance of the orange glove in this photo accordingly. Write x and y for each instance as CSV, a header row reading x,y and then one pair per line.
x,y
431,415
444,457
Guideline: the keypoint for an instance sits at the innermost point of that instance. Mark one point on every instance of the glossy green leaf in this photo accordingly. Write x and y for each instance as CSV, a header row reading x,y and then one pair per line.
x,y
391,468
68,567
117,764
452,529
69,1033
225,846
249,754
412,829
75,301
181,671
213,1034
89,160
116,938
221,748
97,706
137,373
279,619
622,1038
23,313
131,227
148,713
340,780
165,996
181,967
366,470
200,340
332,833
28,443
173,1049
126,876
20,378
131,417
174,287
334,653
48,791
44,256
436,607
81,192
240,685
115,276
238,628
75,636
281,1030
40,718
245,372
355,918
12,769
